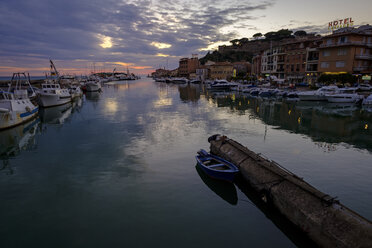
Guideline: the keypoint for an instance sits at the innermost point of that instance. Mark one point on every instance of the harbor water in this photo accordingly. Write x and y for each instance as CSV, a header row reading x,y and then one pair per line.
x,y
117,168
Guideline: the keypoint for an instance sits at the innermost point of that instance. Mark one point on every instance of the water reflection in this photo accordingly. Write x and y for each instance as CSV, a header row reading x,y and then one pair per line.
x,y
225,190
22,137
15,140
297,236
93,96
56,115
323,122
190,93
18,138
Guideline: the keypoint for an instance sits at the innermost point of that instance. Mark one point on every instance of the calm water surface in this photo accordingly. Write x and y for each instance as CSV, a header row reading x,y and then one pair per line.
x,y
117,168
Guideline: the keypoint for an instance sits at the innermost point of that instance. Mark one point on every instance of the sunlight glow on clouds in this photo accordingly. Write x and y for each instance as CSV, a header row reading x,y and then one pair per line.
x,y
106,42
214,45
160,45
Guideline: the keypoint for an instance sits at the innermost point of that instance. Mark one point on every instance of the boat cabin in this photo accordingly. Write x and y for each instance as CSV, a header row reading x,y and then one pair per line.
x,y
6,95
50,86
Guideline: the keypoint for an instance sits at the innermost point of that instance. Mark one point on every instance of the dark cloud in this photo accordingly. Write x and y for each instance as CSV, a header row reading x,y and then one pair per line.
x,y
69,30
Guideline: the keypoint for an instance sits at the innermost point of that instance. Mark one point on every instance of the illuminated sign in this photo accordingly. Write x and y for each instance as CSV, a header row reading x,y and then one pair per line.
x,y
343,23
367,78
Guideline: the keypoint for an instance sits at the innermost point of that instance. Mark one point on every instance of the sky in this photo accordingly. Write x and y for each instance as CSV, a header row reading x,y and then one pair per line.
x,y
82,36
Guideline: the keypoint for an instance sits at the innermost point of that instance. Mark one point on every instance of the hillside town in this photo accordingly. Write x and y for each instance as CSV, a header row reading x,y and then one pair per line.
x,y
299,58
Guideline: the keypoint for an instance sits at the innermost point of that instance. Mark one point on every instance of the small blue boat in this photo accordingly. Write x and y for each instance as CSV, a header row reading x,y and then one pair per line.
x,y
216,167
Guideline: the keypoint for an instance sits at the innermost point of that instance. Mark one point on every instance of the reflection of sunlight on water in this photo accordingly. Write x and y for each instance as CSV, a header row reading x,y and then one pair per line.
x,y
111,106
163,102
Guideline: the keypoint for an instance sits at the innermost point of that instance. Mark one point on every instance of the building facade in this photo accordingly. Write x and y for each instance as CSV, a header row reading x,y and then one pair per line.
x,y
221,70
188,66
272,62
347,50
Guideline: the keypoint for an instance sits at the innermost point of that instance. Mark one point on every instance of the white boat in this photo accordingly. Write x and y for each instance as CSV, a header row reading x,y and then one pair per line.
x,y
92,86
75,91
51,94
317,95
222,85
344,95
15,111
365,87
291,97
367,101
179,80
195,81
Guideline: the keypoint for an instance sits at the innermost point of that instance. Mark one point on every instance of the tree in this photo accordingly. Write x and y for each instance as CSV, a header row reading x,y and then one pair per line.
x,y
300,33
243,41
257,35
270,35
234,42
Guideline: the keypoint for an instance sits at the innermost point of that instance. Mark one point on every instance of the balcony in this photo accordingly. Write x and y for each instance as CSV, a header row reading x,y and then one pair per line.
x,y
312,59
361,68
364,56
348,43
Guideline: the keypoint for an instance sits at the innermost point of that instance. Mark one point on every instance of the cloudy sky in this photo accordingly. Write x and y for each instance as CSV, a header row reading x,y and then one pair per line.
x,y
80,35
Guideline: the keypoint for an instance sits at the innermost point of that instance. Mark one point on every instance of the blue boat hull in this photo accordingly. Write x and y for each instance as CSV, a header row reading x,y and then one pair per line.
x,y
227,174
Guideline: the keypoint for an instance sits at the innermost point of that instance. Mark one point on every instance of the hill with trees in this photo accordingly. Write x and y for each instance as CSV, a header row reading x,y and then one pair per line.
x,y
244,49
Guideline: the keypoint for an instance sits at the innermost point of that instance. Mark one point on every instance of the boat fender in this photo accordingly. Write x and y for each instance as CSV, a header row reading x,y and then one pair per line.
x,y
28,109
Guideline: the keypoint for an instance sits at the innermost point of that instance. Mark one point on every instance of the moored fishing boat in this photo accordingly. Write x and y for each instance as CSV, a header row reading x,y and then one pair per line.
x,y
216,167
75,91
15,111
92,86
51,94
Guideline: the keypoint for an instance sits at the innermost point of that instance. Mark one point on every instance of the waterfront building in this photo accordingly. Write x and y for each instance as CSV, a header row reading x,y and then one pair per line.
x,y
202,73
188,66
256,65
242,68
347,50
272,62
159,73
173,73
301,62
312,60
221,70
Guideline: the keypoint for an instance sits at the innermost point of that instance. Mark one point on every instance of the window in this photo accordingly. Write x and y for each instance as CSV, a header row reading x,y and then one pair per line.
x,y
341,51
326,53
324,65
329,42
292,67
343,39
340,63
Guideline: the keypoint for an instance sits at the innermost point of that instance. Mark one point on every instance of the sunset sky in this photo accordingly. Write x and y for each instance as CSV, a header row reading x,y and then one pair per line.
x,y
79,35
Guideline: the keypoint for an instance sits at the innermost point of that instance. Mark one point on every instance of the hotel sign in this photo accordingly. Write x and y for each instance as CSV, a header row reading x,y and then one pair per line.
x,y
343,23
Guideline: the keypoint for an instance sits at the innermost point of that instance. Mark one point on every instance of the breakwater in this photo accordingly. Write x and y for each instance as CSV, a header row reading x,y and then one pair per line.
x,y
321,217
